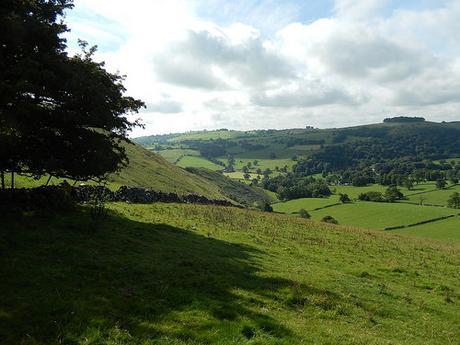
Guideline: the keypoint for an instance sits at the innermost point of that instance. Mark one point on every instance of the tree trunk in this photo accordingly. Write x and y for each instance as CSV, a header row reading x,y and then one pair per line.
x,y
2,173
12,180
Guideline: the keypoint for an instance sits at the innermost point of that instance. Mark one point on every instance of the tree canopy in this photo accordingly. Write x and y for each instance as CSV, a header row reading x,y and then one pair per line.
x,y
59,115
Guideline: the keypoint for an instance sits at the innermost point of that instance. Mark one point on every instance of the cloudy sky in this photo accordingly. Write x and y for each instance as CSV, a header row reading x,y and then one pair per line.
x,y
248,64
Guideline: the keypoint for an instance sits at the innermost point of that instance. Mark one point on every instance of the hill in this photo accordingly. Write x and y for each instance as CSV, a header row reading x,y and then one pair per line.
x,y
149,170
233,189
188,274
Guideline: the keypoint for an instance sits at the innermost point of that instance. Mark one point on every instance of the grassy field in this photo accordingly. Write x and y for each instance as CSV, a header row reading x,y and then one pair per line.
x,y
434,196
309,204
173,155
188,274
198,162
447,229
374,215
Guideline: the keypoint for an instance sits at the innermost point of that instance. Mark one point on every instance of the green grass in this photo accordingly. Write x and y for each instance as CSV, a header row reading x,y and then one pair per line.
x,y
309,204
374,215
353,192
147,170
188,274
206,135
235,190
262,163
434,196
447,229
198,162
173,155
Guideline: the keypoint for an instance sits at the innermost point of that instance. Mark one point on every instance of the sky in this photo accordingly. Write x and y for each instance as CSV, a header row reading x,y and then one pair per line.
x,y
260,64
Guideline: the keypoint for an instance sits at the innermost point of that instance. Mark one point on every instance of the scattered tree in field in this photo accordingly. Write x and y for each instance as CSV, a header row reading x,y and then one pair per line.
x,y
249,165
344,198
441,183
329,219
230,163
454,200
392,194
421,199
245,169
247,176
255,163
304,214
409,183
259,171
59,115
371,196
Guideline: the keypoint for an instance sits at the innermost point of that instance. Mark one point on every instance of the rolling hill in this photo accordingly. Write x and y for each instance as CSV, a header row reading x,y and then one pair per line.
x,y
189,274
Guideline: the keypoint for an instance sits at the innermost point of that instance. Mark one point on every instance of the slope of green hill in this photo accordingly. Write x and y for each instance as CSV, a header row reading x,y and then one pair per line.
x,y
149,170
146,170
189,274
233,189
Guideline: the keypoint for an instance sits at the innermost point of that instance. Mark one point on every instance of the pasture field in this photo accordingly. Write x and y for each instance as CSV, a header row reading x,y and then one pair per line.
x,y
435,196
198,162
173,155
238,175
261,163
188,274
309,204
447,229
379,215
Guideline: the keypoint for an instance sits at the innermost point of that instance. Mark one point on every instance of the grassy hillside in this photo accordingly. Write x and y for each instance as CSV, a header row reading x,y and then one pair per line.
x,y
234,190
147,170
188,274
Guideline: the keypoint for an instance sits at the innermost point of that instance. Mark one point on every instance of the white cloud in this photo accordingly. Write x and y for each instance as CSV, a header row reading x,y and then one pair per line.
x,y
358,65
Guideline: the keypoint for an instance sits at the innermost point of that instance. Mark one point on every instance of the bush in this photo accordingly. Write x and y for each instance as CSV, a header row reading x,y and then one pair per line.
x,y
304,214
330,220
372,196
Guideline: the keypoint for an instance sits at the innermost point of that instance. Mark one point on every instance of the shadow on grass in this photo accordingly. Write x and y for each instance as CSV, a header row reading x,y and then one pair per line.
x,y
63,282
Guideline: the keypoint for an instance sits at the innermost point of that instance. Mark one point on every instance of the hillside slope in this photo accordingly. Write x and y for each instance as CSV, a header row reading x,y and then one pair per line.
x,y
149,170
233,189
146,170
189,274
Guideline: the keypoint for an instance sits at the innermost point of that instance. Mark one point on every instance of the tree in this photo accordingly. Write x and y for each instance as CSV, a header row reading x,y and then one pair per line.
x,y
304,214
230,163
329,219
247,176
454,200
408,183
344,198
392,194
245,169
59,115
441,183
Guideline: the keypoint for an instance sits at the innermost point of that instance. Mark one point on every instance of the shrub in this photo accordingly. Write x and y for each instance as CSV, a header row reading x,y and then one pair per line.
x,y
329,219
304,214
371,196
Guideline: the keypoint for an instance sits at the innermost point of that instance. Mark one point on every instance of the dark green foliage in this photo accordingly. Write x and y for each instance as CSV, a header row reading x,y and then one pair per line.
x,y
59,115
441,183
304,214
454,200
392,194
344,198
329,219
372,196
404,119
